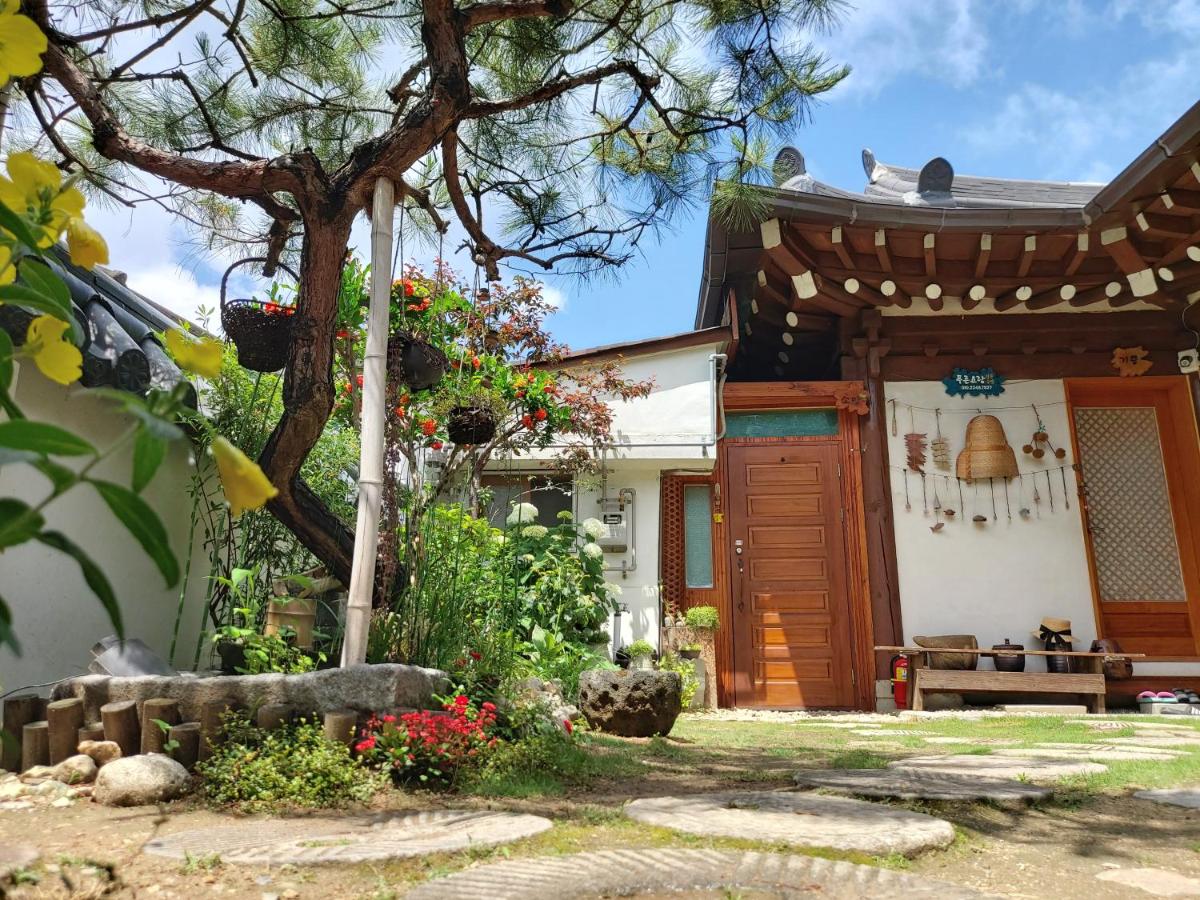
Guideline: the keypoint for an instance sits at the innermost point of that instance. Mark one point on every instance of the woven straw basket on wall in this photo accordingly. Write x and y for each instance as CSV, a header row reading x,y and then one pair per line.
x,y
986,454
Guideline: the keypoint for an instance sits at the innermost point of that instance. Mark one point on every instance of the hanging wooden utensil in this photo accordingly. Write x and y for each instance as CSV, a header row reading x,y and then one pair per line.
x,y
937,511
924,496
992,490
940,445
1007,501
907,502
895,430
1049,490
1062,470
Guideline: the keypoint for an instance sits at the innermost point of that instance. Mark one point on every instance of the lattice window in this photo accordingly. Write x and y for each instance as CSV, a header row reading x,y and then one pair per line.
x,y
670,517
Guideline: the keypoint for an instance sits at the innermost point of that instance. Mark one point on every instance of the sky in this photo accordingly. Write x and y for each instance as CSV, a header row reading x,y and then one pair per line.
x,y
1048,89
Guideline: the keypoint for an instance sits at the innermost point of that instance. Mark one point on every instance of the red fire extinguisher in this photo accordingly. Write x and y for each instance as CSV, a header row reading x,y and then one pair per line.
x,y
900,681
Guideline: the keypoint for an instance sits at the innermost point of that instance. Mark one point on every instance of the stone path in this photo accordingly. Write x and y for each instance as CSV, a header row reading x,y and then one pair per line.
x,y
809,820
14,857
1093,751
1037,769
974,742
916,784
349,838
901,732
1187,797
682,873
1158,739
1157,882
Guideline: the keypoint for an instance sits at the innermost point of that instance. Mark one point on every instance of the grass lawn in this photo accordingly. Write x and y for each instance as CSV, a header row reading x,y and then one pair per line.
x,y
1092,822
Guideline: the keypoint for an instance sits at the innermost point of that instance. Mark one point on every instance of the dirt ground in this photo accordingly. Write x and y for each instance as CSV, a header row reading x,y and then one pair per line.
x,y
1054,849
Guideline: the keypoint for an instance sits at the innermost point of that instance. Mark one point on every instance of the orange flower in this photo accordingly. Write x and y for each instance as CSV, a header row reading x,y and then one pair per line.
x,y
428,427
540,415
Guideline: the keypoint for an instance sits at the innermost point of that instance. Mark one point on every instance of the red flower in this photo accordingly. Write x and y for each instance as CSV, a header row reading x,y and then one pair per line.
x,y
476,655
358,380
540,415
568,726
488,706
428,427
408,288
347,388
389,719
343,334
476,362
367,743
436,445
271,308
527,420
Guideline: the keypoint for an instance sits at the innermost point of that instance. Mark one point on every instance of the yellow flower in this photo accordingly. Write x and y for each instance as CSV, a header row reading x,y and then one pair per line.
x,y
34,190
245,485
21,43
8,271
86,244
59,360
202,357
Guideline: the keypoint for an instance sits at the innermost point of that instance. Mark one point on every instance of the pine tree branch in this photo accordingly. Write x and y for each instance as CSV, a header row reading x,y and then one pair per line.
x,y
501,10
148,22
559,86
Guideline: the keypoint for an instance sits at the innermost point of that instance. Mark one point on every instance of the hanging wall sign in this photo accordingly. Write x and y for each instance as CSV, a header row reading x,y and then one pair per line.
x,y
974,383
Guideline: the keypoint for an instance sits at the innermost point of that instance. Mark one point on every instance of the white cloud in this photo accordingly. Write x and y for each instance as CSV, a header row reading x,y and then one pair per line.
x,y
885,41
177,289
554,297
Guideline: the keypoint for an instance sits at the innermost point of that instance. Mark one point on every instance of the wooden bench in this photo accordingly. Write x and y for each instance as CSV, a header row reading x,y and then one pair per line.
x,y
923,680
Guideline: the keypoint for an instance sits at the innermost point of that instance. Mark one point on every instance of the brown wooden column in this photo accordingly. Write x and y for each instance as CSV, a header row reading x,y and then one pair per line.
x,y
866,347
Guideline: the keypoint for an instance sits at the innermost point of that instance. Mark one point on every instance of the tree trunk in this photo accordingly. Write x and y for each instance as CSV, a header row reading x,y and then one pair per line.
x,y
308,398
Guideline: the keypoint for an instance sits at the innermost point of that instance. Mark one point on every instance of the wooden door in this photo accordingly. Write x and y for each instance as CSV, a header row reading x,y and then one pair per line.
x,y
791,616
1139,462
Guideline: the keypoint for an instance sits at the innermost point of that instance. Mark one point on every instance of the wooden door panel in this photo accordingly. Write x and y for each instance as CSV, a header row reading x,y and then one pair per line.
x,y
791,610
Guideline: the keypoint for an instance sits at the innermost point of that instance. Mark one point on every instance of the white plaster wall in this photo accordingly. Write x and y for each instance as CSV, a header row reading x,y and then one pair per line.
x,y
996,580
57,619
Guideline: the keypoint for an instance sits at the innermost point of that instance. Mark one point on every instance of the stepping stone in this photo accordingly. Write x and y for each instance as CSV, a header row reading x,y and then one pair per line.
x,y
1158,882
973,741
684,873
808,820
1039,768
916,784
1043,709
1131,722
349,839
1158,739
851,725
889,733
14,857
1109,754
1185,797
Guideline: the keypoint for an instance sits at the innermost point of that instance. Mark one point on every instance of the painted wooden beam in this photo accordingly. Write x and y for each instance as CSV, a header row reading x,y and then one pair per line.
x,y
860,290
1052,297
1014,298
1082,244
1172,226
974,296
1181,199
1137,273
982,257
929,250
1027,255
839,247
1099,294
881,250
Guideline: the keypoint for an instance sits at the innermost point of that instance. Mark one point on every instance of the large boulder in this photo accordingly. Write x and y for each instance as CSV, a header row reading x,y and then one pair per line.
x,y
141,780
365,688
630,702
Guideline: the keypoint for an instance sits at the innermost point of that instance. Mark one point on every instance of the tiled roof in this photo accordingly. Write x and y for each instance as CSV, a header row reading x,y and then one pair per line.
x,y
121,327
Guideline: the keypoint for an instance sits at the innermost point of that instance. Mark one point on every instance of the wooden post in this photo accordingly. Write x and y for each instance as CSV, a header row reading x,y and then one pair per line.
x,y
92,731
211,713
65,718
35,745
164,710
120,720
19,711
370,470
340,725
187,736
272,715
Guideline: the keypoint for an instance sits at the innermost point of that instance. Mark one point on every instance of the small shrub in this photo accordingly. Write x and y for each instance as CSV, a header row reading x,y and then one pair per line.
x,y
292,765
428,747
687,674
640,648
701,617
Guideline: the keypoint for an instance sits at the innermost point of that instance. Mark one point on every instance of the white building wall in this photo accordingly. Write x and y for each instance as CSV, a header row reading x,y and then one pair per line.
x,y
995,580
57,618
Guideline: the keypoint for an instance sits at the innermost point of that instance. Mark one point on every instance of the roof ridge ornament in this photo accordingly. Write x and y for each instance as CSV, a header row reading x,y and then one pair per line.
x,y
871,166
789,163
936,177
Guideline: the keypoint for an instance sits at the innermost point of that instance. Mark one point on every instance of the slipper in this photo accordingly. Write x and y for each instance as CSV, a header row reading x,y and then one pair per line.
x,y
1180,695
1167,697
1148,696
1193,697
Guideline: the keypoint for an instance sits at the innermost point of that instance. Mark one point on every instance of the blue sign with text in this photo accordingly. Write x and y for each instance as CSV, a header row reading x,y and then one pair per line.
x,y
974,383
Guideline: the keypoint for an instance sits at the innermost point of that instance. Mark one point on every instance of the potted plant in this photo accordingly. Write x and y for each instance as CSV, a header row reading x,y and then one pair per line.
x,y
641,654
260,329
690,651
425,320
470,403
702,617
292,609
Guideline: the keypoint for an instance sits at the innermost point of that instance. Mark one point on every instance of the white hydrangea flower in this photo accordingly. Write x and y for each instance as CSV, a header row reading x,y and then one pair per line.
x,y
522,514
537,532
613,590
593,528
527,557
592,551
498,538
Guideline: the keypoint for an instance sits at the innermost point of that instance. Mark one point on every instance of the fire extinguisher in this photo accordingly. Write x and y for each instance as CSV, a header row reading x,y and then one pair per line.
x,y
900,681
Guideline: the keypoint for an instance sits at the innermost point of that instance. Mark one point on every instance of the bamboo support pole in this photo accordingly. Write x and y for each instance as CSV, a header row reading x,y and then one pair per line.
x,y
370,478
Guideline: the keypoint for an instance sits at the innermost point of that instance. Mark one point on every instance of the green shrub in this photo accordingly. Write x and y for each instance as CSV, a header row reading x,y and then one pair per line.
x,y
687,673
701,617
294,765
640,648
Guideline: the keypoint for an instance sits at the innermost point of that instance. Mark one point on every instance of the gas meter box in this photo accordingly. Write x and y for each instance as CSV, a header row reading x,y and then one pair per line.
x,y
614,514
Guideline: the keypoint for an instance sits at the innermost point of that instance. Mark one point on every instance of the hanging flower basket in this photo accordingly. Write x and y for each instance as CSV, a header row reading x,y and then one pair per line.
x,y
471,425
261,330
416,362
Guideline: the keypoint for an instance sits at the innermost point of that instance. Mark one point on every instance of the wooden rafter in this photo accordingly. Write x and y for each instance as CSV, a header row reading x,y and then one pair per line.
x,y
929,251
881,250
1159,223
1129,260
973,296
1027,255
1082,243
860,290
839,247
982,257
1052,297
1098,294
1013,298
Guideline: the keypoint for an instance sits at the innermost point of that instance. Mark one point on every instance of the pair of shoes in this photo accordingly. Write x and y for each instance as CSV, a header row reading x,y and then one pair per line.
x,y
1185,696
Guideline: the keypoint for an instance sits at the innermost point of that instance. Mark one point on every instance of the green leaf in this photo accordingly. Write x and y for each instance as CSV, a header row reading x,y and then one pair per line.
x,y
39,277
42,437
20,229
18,522
91,574
59,475
143,523
148,453
7,636
6,363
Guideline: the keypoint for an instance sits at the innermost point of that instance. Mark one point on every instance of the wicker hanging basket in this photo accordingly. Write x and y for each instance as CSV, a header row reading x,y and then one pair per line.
x,y
471,425
986,453
416,362
261,331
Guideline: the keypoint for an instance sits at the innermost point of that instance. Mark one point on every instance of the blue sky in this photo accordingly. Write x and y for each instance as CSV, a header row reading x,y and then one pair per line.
x,y
1059,89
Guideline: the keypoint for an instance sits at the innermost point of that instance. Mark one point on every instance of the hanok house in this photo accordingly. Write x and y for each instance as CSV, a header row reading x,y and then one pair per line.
x,y
859,339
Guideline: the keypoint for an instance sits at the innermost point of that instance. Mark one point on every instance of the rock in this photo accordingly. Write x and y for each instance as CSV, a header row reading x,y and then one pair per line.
x,y
48,788
916,784
101,751
365,688
1188,798
631,702
1158,882
141,780
547,697
80,769
34,774
16,856
63,802
12,790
